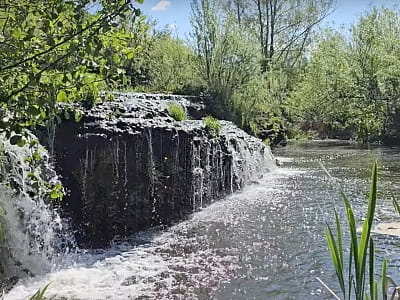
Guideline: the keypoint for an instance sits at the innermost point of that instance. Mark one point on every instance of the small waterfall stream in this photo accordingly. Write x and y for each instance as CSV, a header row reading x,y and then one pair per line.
x,y
263,242
124,175
33,230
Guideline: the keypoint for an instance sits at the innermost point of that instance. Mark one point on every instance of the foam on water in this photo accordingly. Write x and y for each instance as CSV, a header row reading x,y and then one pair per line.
x,y
153,270
31,228
264,242
175,264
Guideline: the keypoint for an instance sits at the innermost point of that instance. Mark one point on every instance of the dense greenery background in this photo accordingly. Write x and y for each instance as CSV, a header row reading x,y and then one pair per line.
x,y
264,64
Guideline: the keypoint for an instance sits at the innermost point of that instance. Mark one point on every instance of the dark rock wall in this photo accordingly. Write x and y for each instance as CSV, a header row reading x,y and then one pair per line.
x,y
139,168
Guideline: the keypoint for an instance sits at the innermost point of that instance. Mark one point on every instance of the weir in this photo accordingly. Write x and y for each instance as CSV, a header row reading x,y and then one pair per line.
x,y
126,166
129,166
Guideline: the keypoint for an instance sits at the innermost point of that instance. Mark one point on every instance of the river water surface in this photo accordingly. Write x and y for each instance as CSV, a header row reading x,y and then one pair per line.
x,y
264,242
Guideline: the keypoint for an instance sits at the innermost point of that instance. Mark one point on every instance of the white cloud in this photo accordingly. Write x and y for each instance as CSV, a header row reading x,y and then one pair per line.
x,y
161,6
172,27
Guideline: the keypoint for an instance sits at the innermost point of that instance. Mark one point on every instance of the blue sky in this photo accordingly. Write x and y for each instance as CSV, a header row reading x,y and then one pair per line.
x,y
176,13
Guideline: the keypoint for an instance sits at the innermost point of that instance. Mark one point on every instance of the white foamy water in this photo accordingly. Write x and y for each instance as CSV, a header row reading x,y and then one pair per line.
x,y
178,263
31,228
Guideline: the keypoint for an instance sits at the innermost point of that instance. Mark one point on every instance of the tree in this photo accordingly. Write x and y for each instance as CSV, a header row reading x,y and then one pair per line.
x,y
375,40
226,56
320,98
352,83
283,27
170,63
56,51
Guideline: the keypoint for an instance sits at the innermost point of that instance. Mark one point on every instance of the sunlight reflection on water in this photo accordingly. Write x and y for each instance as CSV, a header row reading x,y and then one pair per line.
x,y
264,242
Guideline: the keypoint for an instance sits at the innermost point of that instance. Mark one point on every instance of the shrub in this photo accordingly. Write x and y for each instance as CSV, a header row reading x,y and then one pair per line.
x,y
256,101
177,112
213,125
167,65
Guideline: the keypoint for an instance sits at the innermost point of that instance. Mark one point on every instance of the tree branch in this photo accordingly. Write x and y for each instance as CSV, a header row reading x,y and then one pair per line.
x,y
114,13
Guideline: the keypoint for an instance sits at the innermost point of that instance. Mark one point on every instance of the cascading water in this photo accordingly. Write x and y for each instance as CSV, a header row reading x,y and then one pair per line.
x,y
31,229
250,158
138,170
264,242
153,178
198,175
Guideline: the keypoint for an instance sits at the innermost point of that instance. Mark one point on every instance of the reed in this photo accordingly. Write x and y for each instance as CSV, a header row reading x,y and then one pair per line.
x,y
352,273
39,295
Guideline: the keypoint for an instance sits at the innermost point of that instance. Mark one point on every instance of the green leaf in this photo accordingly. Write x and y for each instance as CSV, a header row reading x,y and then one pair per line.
x,y
335,256
78,116
36,156
116,59
39,295
372,269
17,34
32,143
384,282
395,204
340,239
130,55
54,194
22,142
33,110
62,96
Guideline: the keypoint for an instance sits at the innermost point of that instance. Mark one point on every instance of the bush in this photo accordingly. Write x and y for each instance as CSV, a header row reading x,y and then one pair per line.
x,y
177,112
257,109
213,125
167,66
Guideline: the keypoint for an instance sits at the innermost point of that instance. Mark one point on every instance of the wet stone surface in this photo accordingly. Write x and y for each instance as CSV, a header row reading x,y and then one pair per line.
x,y
129,166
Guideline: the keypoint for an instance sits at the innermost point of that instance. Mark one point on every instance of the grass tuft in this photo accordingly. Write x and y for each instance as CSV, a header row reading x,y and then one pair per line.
x,y
39,295
177,112
213,125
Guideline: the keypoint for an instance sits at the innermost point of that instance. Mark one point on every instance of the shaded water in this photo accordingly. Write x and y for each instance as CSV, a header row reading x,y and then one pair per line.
x,y
264,242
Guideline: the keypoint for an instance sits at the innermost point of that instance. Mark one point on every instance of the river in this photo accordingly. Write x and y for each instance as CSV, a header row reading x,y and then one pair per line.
x,y
264,242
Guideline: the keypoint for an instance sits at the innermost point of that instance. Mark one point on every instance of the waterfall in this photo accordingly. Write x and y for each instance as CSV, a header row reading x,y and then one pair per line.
x,y
31,228
247,160
197,172
153,177
125,174
250,158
